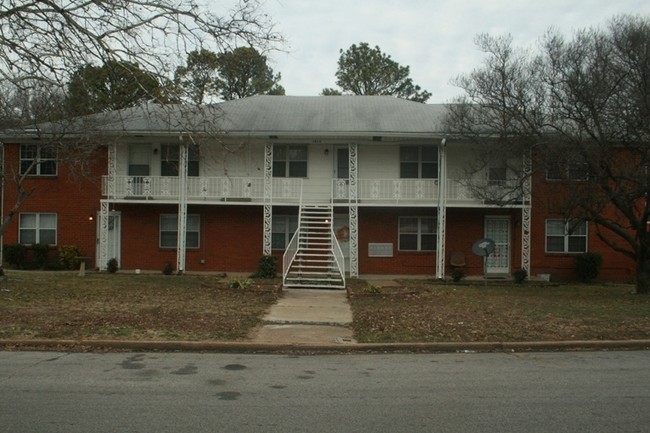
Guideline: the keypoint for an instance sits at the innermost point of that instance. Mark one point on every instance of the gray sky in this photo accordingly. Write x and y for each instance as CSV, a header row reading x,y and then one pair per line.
x,y
435,38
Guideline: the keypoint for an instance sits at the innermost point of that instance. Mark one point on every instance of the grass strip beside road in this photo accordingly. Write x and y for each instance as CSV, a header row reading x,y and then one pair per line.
x,y
428,311
62,305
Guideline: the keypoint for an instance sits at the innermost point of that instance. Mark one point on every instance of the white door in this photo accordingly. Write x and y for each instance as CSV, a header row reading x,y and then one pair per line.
x,y
114,235
498,229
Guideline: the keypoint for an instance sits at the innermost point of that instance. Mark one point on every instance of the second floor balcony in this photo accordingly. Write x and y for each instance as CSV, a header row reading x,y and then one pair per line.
x,y
293,191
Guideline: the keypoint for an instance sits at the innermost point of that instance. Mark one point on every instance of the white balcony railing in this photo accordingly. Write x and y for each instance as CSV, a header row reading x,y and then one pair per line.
x,y
290,190
199,188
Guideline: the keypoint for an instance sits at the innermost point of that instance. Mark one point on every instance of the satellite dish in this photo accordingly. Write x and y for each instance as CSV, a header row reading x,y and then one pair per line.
x,y
483,247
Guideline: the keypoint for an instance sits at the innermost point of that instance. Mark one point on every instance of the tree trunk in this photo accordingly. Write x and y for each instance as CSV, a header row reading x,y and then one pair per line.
x,y
643,277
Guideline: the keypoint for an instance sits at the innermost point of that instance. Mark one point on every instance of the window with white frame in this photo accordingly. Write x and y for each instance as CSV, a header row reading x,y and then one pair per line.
x,y
567,170
418,162
283,229
290,160
37,228
417,234
38,160
169,231
564,236
170,158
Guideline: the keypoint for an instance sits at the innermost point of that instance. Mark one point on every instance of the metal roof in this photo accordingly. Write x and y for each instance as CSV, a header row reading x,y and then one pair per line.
x,y
263,116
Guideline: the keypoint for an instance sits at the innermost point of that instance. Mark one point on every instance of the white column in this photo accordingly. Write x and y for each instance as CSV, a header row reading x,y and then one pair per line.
x,y
182,206
353,151
102,260
526,213
442,209
268,198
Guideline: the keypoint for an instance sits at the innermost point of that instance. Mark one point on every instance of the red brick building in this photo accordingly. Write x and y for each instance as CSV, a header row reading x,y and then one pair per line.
x,y
371,185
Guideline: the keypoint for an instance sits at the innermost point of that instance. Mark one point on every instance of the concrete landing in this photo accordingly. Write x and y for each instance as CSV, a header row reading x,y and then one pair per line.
x,y
307,317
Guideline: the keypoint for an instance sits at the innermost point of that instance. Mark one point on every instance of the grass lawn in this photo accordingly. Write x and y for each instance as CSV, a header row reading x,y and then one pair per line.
x,y
129,306
427,311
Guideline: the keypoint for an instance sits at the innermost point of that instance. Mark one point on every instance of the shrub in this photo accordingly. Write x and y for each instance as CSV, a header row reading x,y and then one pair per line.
x,y
168,269
520,275
240,284
112,266
267,267
15,255
68,257
588,266
40,254
371,288
457,275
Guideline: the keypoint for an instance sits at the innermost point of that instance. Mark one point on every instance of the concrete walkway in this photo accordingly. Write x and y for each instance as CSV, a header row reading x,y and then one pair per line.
x,y
307,317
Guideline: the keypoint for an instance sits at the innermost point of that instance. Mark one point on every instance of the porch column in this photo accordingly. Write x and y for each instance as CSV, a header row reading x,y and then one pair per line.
x,y
268,198
442,210
354,209
182,206
526,214
102,260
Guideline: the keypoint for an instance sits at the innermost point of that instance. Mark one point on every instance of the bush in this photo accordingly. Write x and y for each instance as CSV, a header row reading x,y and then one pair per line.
x,y
267,267
168,269
41,252
15,255
457,275
240,284
68,257
588,266
520,275
112,266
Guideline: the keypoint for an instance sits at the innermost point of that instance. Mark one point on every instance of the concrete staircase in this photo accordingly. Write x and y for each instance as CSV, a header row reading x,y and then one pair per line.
x,y
314,258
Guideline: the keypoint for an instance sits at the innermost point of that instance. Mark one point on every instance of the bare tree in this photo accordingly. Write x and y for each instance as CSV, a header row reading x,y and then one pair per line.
x,y
44,42
581,109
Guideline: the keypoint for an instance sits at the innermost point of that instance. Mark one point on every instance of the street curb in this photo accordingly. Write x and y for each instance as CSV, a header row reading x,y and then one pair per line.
x,y
252,347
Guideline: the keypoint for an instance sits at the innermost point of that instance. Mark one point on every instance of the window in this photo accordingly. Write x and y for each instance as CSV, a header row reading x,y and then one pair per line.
x,y
497,176
45,157
289,160
566,236
139,158
37,228
169,159
417,234
567,170
418,162
283,228
169,231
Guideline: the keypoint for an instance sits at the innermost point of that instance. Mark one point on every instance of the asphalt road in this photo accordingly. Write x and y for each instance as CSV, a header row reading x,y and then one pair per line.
x,y
573,392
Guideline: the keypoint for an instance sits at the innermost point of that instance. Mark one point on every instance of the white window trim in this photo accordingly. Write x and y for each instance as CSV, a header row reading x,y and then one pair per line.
x,y
567,236
419,234
175,216
37,227
40,161
286,220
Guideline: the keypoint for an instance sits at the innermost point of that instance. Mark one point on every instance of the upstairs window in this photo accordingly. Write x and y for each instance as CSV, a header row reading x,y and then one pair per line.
x,y
417,234
38,160
289,160
567,170
418,162
566,236
37,228
170,157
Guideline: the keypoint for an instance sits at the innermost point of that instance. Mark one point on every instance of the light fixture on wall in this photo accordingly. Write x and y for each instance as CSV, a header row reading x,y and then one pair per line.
x,y
327,151
91,217
155,151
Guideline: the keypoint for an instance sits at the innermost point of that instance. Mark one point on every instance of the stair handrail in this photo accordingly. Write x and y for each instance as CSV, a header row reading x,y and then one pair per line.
x,y
338,256
290,254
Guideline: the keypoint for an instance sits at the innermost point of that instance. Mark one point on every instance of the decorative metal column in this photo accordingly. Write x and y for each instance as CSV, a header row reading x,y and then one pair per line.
x,y
353,150
526,213
268,197
103,258
442,209
105,207
181,240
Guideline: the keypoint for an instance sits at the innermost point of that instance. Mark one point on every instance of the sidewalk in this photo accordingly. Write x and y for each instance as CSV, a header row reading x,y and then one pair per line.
x,y
307,317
